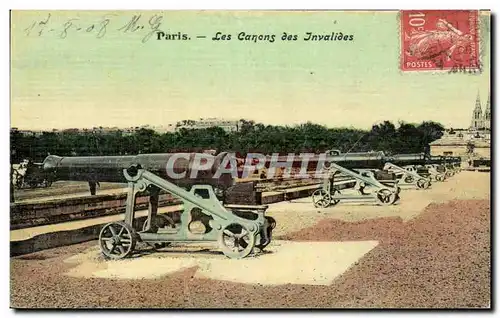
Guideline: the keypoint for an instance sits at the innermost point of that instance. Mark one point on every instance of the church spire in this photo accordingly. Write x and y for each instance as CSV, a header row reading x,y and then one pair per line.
x,y
477,114
487,114
478,102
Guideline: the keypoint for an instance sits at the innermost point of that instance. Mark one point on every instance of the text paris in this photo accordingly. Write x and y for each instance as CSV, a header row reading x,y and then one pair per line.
x,y
172,36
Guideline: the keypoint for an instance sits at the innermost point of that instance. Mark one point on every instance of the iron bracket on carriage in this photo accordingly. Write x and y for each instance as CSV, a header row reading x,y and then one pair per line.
x,y
409,175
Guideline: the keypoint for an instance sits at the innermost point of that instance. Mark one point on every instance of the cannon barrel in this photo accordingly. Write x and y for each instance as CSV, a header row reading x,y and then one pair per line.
x,y
440,160
408,159
358,160
454,159
422,159
165,165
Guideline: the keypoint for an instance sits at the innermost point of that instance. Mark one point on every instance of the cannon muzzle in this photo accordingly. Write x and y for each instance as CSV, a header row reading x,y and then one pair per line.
x,y
409,159
358,160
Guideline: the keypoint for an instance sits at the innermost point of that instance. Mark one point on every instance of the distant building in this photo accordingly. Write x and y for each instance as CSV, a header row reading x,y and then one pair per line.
x,y
474,142
71,130
227,125
34,133
479,119
129,131
102,130
466,144
164,128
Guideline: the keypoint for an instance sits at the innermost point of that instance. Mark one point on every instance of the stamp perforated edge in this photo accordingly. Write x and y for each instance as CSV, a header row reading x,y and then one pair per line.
x,y
481,53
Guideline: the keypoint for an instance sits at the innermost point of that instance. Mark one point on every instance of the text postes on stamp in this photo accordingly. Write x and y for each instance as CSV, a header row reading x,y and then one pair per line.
x,y
434,40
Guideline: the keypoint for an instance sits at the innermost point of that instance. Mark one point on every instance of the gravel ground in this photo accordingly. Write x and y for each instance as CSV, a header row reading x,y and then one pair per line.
x,y
464,186
441,258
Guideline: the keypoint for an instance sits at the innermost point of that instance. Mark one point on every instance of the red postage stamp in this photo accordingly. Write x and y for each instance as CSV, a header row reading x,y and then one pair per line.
x,y
434,40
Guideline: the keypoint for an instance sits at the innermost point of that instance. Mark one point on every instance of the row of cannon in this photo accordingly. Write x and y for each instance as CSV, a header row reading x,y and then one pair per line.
x,y
384,175
239,230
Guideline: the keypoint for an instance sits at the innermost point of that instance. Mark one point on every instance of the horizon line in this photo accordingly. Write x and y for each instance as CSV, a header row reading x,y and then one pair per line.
x,y
155,127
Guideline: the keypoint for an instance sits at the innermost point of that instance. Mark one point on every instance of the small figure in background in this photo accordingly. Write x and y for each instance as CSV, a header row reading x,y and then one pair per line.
x,y
263,174
12,172
93,186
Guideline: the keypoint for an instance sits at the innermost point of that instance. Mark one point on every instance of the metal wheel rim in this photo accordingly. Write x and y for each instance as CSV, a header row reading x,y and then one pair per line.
x,y
271,221
423,184
333,201
272,226
386,197
409,179
236,241
397,190
117,240
324,198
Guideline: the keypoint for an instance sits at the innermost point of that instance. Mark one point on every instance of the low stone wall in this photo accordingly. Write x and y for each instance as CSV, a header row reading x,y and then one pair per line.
x,y
23,215
61,238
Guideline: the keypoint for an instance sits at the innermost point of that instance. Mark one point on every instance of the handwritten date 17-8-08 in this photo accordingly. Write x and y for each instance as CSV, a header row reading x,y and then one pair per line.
x,y
146,26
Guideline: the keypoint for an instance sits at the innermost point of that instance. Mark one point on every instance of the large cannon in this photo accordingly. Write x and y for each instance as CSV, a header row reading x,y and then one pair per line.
x,y
191,177
410,169
360,167
444,165
453,163
358,160
435,168
110,168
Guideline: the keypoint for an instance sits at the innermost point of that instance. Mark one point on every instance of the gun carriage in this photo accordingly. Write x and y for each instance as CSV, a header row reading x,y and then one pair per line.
x,y
410,169
444,165
236,229
454,164
481,162
361,167
431,167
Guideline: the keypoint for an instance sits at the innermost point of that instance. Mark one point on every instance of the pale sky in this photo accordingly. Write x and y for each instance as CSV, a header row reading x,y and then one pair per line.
x,y
83,81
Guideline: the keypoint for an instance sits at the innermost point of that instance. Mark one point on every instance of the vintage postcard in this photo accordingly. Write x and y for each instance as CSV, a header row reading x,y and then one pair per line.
x,y
250,159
